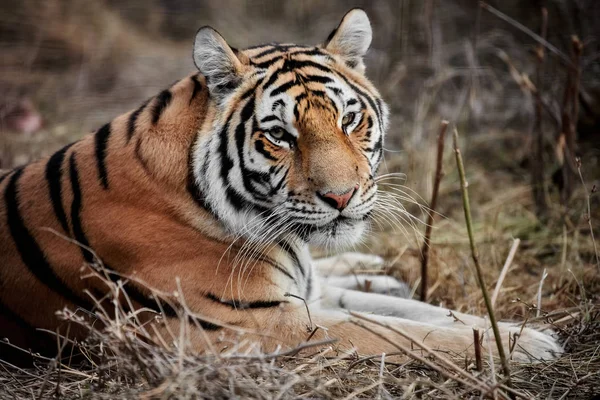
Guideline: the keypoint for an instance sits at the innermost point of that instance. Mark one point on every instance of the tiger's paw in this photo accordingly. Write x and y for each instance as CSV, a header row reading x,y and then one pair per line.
x,y
534,346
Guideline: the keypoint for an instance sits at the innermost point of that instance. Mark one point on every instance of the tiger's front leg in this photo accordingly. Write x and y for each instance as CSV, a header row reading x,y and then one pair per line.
x,y
531,344
291,326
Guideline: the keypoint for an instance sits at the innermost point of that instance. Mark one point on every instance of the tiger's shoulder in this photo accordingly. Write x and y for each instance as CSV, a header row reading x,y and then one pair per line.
x,y
156,135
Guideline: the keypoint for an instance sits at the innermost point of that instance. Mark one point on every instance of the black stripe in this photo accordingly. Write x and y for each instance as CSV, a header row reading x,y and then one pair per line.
x,y
278,267
240,138
320,94
273,49
233,196
162,101
319,79
297,100
154,304
191,185
283,48
271,61
292,254
278,186
280,103
197,88
260,147
53,176
101,141
243,305
284,87
289,65
76,211
29,250
270,118
337,92
133,119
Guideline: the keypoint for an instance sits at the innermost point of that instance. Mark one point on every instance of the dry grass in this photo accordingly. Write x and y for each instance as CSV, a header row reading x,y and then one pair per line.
x,y
423,87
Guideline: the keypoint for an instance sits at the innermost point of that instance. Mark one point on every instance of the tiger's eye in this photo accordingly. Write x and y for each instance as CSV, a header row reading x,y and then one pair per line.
x,y
348,119
277,133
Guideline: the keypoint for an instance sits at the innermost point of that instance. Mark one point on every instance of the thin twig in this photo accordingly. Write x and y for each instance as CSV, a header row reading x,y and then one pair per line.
x,y
505,268
562,56
436,186
589,210
310,328
475,255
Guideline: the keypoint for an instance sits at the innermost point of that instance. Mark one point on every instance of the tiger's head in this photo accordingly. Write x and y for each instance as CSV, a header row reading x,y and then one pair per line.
x,y
295,139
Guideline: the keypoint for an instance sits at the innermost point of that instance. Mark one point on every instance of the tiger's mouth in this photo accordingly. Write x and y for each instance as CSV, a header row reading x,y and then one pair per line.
x,y
332,230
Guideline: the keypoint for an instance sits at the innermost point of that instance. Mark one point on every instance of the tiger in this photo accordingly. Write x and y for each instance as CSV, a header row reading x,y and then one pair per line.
x,y
217,187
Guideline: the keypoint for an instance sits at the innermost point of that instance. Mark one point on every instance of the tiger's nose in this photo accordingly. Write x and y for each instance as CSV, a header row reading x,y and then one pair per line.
x,y
338,201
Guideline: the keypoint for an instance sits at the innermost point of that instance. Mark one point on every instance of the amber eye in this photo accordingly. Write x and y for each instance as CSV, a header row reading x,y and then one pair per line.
x,y
280,137
348,120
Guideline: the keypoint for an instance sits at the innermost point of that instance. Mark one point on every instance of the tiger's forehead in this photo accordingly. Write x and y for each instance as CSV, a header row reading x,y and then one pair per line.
x,y
285,79
263,56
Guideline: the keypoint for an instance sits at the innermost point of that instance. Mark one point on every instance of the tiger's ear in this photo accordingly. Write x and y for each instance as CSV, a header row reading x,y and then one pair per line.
x,y
351,39
221,65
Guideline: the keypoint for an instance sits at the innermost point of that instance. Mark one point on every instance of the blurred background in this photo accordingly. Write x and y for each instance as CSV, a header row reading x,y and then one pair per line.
x,y
68,66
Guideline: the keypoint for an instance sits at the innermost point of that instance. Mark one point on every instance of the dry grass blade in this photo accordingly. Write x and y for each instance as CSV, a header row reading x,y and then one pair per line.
x,y
462,376
475,256
505,268
408,351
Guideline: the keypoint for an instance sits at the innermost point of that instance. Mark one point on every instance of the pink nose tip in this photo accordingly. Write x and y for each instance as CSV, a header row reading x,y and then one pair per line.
x,y
337,201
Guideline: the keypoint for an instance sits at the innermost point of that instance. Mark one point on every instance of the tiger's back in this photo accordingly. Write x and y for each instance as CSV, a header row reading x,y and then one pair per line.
x,y
112,191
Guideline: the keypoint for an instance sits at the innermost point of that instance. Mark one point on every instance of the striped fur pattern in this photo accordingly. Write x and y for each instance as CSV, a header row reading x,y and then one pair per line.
x,y
221,180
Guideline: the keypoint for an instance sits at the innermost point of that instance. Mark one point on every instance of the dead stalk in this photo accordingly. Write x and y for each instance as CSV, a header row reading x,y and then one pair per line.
x,y
537,165
477,345
570,112
436,186
475,255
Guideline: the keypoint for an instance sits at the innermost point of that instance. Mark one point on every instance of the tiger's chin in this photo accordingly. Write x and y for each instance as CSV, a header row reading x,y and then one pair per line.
x,y
339,234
